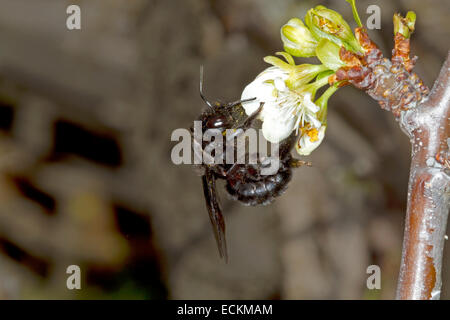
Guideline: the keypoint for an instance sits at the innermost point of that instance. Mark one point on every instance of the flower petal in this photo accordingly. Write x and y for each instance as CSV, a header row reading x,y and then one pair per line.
x,y
315,123
261,91
305,146
280,85
275,130
307,102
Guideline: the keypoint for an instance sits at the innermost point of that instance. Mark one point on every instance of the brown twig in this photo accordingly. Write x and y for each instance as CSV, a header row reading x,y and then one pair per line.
x,y
424,117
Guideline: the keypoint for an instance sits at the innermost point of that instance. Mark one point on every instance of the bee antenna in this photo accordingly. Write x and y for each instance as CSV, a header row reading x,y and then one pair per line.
x,y
201,89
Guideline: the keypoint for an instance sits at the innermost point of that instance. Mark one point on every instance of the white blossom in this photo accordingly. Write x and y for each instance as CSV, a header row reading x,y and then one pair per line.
x,y
284,110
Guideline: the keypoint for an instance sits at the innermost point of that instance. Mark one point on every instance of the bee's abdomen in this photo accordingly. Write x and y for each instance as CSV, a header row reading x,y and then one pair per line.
x,y
262,191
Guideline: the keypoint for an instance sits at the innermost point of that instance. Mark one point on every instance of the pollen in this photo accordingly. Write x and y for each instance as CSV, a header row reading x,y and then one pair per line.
x,y
329,25
313,134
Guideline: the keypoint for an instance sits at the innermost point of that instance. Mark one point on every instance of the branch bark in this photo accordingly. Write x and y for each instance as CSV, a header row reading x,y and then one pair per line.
x,y
427,125
424,117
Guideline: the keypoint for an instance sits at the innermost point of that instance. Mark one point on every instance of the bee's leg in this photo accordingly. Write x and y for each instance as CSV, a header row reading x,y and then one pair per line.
x,y
297,163
232,104
251,118
232,169
215,212
221,171
227,172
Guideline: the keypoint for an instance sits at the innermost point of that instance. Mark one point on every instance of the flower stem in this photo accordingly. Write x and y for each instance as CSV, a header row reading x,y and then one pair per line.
x,y
355,12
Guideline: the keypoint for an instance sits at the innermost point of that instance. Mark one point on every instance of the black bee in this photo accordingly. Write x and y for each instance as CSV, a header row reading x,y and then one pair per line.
x,y
244,182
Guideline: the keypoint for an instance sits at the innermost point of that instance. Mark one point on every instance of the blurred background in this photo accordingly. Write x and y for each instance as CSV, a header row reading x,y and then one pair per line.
x,y
85,170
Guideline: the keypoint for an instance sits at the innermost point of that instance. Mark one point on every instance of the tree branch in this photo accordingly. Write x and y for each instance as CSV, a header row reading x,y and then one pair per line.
x,y
428,192
424,117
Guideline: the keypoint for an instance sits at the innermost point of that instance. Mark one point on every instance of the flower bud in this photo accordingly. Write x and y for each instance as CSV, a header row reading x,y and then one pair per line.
x,y
328,53
404,26
328,24
297,39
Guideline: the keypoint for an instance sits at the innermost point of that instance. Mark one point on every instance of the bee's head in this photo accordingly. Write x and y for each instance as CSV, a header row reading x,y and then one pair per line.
x,y
217,121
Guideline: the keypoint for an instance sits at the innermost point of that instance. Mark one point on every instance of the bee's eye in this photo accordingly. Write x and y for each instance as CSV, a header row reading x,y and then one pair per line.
x,y
217,122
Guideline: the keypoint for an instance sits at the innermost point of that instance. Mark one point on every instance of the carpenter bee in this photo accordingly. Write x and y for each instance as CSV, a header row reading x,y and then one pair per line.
x,y
245,182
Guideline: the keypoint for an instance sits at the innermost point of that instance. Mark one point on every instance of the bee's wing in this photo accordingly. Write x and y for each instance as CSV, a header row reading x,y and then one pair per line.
x,y
215,212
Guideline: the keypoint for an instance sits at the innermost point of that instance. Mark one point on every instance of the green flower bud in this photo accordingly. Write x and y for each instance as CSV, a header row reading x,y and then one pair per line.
x,y
404,26
297,39
411,20
328,24
328,53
